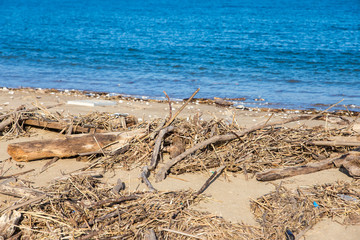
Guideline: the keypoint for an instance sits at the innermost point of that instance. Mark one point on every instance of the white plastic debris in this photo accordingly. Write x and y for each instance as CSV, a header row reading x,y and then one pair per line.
x,y
91,103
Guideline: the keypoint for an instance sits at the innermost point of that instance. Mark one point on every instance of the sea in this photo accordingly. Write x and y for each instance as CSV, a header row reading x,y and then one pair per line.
x,y
289,53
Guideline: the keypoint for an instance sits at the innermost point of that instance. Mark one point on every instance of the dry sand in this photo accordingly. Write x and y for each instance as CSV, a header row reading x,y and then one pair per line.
x,y
229,197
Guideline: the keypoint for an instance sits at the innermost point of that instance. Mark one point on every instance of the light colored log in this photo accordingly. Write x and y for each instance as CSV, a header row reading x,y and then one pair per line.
x,y
69,146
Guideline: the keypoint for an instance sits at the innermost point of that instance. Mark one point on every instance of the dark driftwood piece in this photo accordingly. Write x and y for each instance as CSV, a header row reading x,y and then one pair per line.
x,y
60,126
279,173
68,146
350,161
161,174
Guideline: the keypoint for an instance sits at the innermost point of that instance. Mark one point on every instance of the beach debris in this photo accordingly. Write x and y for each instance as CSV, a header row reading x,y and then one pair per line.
x,y
69,146
82,208
222,102
240,106
120,185
8,222
289,235
92,103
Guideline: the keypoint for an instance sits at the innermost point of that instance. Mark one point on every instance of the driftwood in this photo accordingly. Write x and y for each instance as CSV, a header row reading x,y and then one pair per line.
x,y
339,141
8,221
350,161
69,146
161,174
60,126
279,173
12,188
157,146
352,164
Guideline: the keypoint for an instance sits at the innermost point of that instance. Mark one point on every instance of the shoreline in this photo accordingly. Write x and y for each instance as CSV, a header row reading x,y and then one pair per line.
x,y
240,103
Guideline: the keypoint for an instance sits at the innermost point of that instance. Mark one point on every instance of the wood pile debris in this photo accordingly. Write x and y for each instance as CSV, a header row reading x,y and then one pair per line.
x,y
79,206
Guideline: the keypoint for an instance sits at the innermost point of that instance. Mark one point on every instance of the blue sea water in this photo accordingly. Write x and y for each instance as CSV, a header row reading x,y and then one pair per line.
x,y
291,53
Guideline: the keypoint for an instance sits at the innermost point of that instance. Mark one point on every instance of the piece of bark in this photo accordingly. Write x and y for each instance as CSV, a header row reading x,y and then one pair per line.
x,y
69,146
279,173
8,221
161,174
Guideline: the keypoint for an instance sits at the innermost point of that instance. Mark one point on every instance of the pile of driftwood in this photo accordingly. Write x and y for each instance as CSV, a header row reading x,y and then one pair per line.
x,y
82,208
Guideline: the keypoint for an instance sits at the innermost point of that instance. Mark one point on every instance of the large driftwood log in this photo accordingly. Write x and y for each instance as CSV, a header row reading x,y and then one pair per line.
x,y
68,146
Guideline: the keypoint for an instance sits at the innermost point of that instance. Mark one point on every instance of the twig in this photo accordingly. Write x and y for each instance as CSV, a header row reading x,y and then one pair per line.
x,y
181,233
181,108
170,108
48,164
210,180
161,174
317,115
101,149
113,201
17,174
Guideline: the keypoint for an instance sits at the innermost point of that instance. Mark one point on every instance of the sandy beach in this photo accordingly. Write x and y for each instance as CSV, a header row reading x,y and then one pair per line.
x,y
229,196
